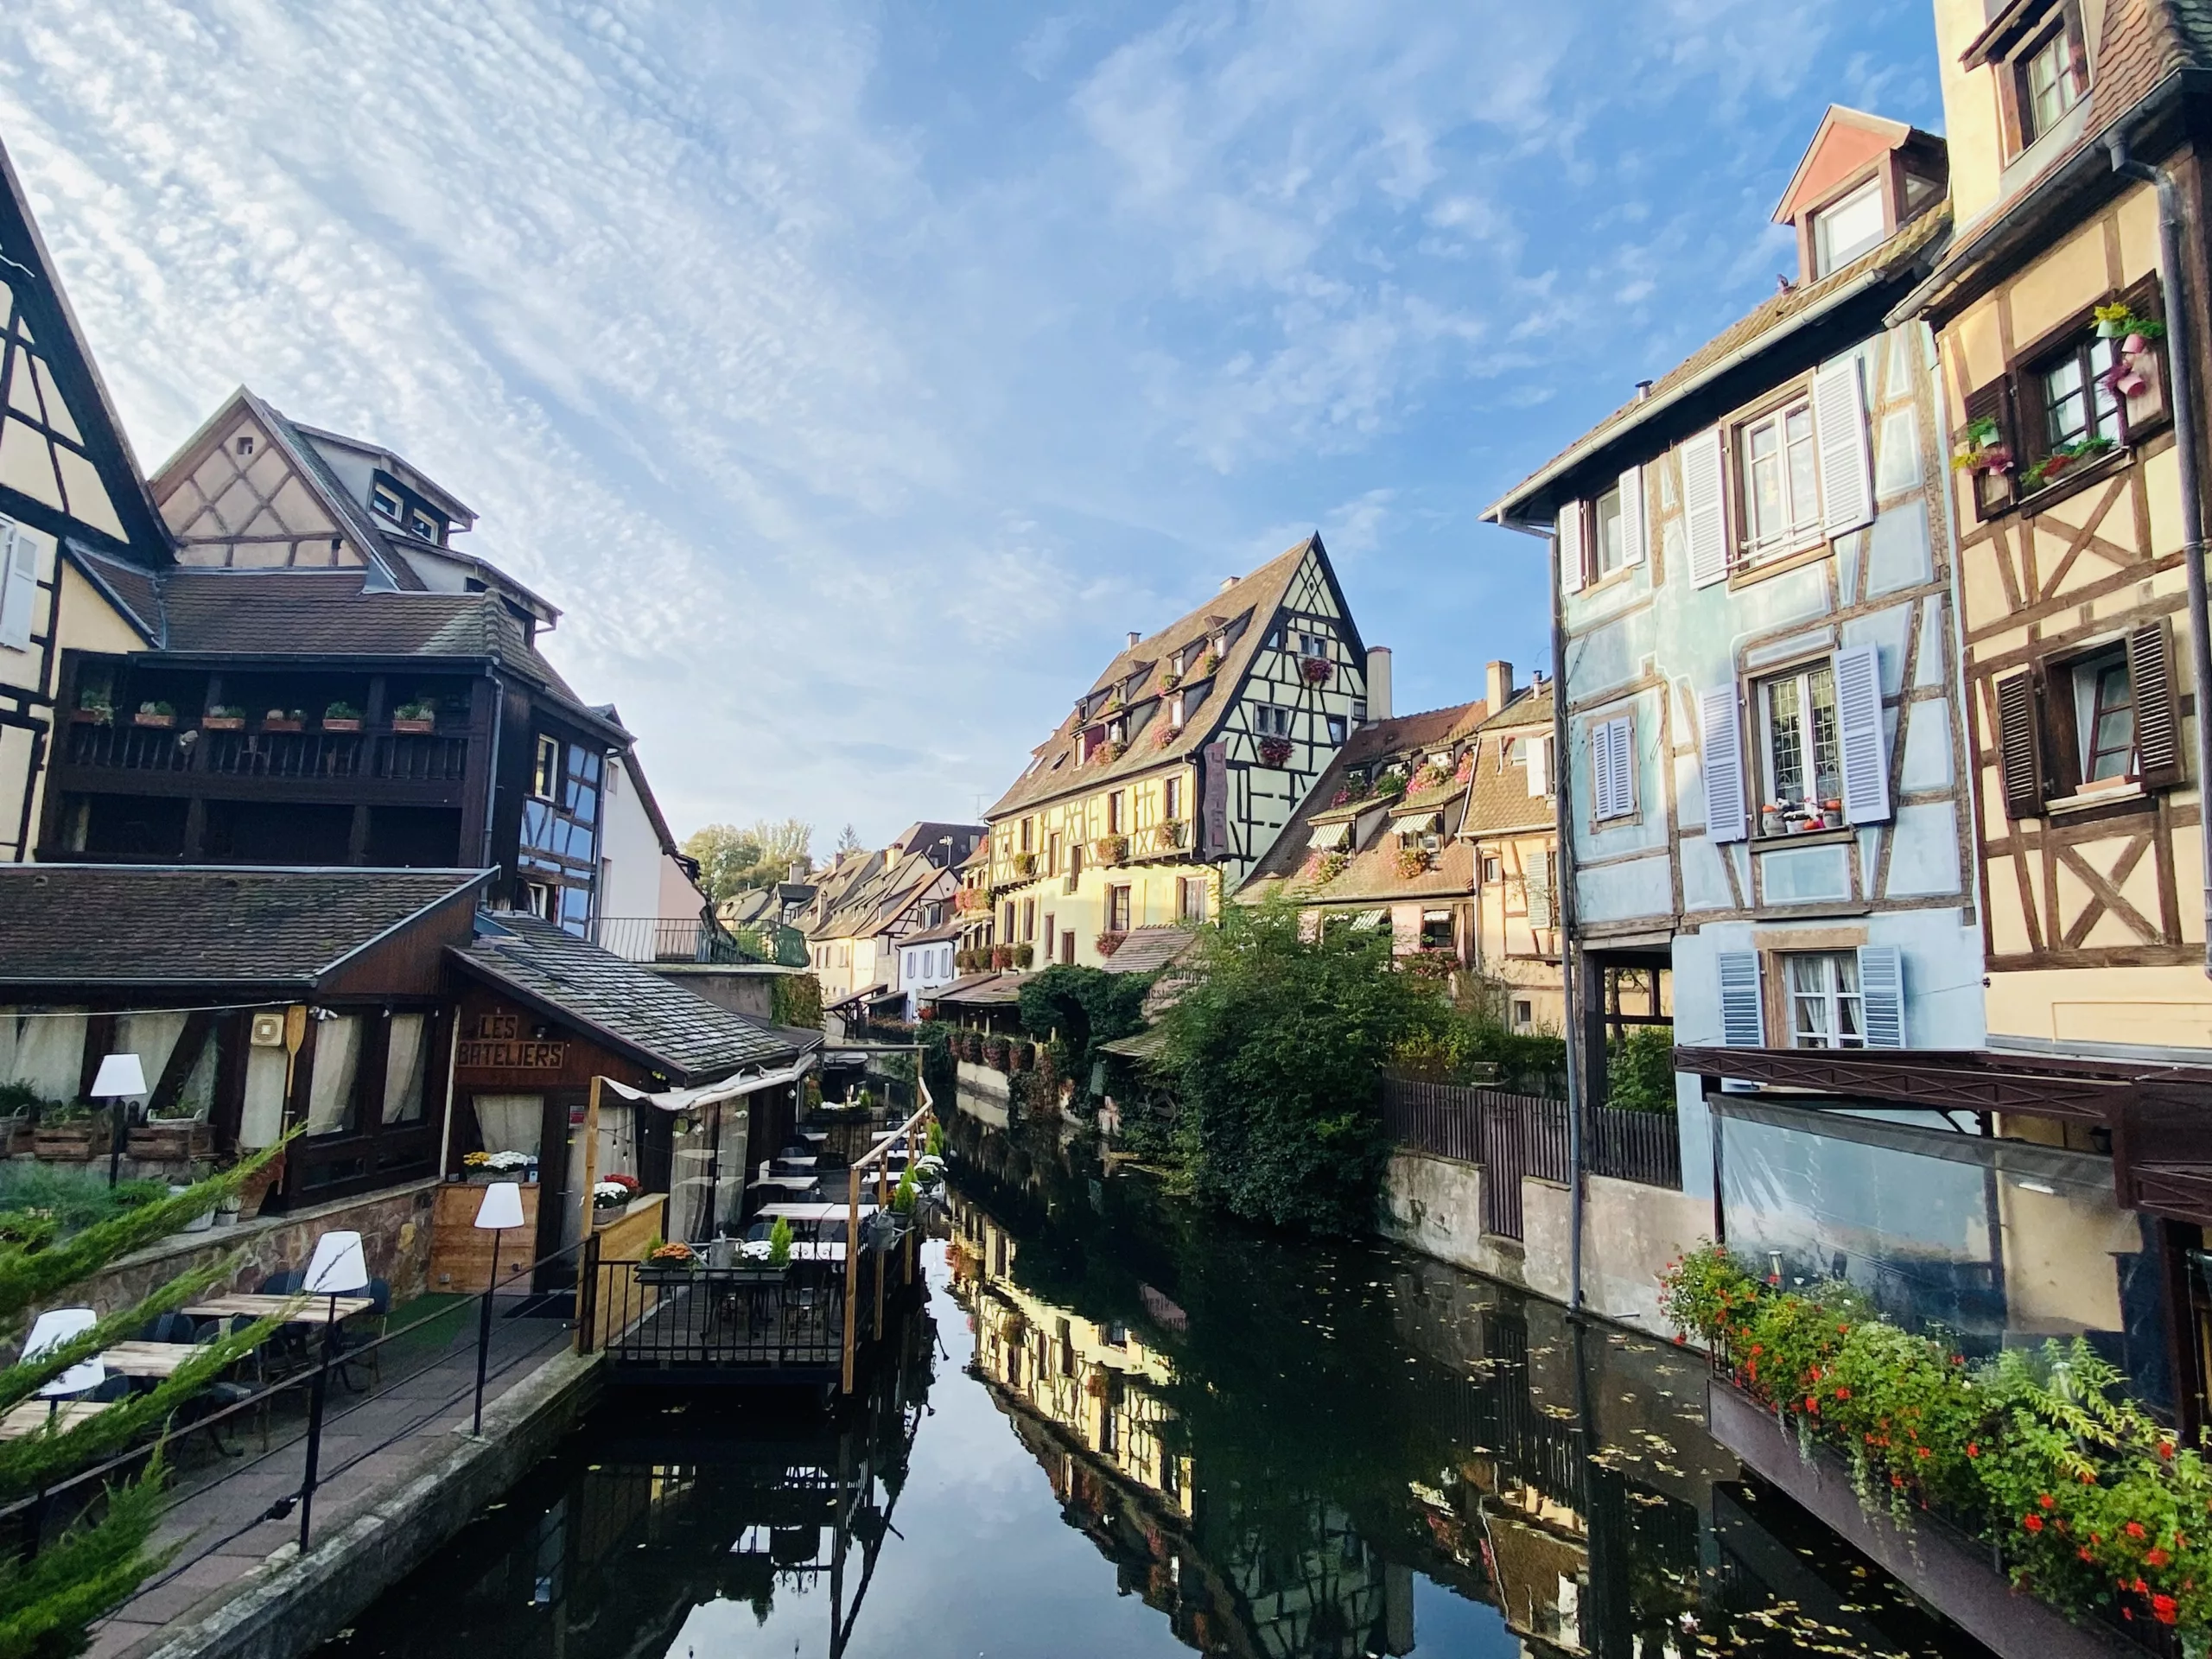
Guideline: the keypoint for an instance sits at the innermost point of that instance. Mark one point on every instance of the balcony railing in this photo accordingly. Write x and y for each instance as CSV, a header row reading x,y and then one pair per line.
x,y
659,938
394,757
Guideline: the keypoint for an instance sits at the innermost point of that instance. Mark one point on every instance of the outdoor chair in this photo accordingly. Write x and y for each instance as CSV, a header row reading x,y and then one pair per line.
x,y
364,1329
170,1327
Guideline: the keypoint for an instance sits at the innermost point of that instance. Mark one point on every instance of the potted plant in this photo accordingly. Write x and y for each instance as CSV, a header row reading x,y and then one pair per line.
x,y
668,1261
1024,956
95,706
172,1135
611,1196
483,1168
341,716
19,1106
1208,663
902,1198
72,1132
1001,956
1770,817
1274,751
223,717
1411,862
1391,786
420,715
1170,680
2062,459
1316,670
1110,849
280,719
155,713
1980,450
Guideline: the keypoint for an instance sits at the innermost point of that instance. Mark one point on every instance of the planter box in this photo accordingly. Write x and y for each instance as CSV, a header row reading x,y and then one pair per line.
x,y
341,725
256,1192
92,716
70,1143
666,1276
162,721
281,725
222,722
415,727
170,1143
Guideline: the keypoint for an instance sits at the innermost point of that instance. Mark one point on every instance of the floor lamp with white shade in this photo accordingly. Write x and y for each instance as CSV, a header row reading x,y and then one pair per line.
x,y
121,1080
53,1328
338,1268
501,1209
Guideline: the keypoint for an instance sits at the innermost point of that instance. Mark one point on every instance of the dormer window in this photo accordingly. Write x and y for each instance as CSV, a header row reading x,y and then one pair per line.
x,y
384,500
2051,76
1847,228
423,527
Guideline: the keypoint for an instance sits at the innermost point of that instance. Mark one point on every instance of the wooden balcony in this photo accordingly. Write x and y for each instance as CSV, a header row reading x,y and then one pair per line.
x,y
413,768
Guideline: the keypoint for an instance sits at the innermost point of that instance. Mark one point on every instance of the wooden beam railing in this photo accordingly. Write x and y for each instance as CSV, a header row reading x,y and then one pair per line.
x,y
878,1157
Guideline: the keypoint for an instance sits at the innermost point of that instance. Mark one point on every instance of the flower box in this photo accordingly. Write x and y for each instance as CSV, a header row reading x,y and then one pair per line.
x,y
160,721
1316,669
282,723
341,724
414,728
92,716
73,1142
1274,751
170,1142
222,722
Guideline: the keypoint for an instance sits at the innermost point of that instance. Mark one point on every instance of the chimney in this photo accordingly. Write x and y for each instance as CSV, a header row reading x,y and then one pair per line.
x,y
1228,582
798,873
1498,685
1134,637
1378,684
1642,390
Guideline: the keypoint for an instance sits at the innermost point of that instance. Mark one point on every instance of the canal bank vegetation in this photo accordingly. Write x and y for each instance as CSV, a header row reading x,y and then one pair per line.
x,y
2092,1505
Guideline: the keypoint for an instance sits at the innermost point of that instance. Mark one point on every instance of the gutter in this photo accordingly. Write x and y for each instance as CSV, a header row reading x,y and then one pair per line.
x,y
2181,359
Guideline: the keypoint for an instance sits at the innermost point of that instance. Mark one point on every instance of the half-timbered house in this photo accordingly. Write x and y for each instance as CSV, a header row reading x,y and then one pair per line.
x,y
1512,839
1174,773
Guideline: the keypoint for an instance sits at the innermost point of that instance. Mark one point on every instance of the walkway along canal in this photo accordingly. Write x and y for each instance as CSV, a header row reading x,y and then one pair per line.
x,y
1116,1428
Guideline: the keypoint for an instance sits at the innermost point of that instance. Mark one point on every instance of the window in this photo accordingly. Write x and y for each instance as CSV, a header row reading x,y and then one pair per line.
x,y
1312,645
1612,767
2049,76
1524,1014
1780,460
1826,1009
1798,742
1271,720
245,443
1075,868
2104,707
1029,920
1845,228
1337,730
1490,872
1117,910
2077,404
1029,835
1536,757
545,776
386,501
1008,933
1175,711
1067,947
1612,542
1052,856
538,899
1117,812
1436,930
1050,935
1191,899
1359,714
421,525
1171,798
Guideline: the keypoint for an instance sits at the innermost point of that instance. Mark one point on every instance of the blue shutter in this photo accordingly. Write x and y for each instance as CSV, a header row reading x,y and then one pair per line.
x,y
1743,1015
1881,993
1858,725
1724,818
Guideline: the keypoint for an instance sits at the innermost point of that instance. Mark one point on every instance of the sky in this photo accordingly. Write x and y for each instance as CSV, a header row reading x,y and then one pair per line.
x,y
856,376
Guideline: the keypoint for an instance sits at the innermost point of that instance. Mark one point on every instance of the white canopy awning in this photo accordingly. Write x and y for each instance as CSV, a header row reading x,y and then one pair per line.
x,y
1371,918
683,1100
1330,837
1417,823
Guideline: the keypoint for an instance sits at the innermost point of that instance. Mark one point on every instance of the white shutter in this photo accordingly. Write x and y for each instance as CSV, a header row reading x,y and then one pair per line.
x,y
1724,764
1570,546
1537,880
1601,770
1623,758
1535,757
1705,514
18,585
1859,723
1633,530
1881,995
1846,459
1743,1014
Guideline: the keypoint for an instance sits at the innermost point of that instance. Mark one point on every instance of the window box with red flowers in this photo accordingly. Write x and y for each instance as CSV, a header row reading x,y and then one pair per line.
x,y
1107,944
1316,670
1411,862
1110,849
1274,751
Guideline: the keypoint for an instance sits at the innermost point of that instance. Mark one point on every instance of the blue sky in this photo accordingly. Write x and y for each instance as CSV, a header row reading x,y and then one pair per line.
x,y
857,376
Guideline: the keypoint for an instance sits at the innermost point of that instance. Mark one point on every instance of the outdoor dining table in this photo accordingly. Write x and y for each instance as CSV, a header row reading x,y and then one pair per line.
x,y
34,1415
293,1309
154,1359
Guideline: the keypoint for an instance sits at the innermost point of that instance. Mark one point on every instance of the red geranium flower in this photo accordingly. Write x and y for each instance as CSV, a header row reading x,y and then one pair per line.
x,y
2164,1609
2156,1557
2083,1552
2166,1448
2033,1522
2134,1529
1973,1450
1843,1394
2048,1501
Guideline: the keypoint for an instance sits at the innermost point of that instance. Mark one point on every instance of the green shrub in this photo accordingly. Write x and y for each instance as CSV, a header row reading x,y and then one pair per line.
x,y
1640,1070
779,1243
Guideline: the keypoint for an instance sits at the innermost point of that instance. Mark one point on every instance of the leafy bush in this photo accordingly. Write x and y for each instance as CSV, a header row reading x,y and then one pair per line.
x,y
1640,1070
1471,1046
779,1243
796,1000
2090,1501
1274,1049
1081,1007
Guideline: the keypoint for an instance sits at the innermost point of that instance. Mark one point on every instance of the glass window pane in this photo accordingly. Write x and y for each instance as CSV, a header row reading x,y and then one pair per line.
x,y
1827,760
1804,472
1765,492
1848,229
330,1092
403,1068
1785,756
1611,548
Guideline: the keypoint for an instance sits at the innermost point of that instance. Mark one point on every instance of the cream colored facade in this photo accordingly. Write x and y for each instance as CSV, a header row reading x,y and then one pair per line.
x,y
2094,925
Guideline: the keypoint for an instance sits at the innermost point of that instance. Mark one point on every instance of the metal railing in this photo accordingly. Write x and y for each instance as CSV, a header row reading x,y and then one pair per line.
x,y
1512,1136
391,757
665,938
696,1325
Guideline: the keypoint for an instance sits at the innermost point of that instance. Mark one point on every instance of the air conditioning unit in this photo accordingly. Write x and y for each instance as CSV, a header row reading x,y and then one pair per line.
x,y
267,1030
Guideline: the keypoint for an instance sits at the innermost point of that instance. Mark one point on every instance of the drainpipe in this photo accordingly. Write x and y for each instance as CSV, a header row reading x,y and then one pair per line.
x,y
1563,909
2181,359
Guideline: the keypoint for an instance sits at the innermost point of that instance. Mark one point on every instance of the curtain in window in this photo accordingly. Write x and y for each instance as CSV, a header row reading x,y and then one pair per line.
x,y
152,1038
510,1122
262,1119
403,1068
330,1090
50,1053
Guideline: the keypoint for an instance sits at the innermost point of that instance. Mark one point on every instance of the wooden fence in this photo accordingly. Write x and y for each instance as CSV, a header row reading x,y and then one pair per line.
x,y
1516,1136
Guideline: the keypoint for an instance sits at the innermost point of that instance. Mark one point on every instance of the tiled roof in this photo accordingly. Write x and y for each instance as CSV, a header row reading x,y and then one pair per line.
x,y
1372,872
2144,42
1147,949
627,1007
1772,317
135,592
978,990
124,925
1499,801
1057,769
939,935
861,908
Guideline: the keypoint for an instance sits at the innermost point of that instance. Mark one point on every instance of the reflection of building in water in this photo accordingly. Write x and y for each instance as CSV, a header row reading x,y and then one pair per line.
x,y
1087,1399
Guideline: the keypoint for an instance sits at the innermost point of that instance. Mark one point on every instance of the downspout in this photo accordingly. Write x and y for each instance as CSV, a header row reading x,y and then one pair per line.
x,y
1563,911
2181,359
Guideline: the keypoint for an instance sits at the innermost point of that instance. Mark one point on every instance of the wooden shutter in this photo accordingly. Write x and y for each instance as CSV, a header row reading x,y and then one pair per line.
x,y
1634,532
18,585
1601,769
1859,723
1537,882
2019,745
2150,409
1704,512
1612,767
1570,546
1991,491
1742,1013
1724,764
1847,457
1881,996
2158,707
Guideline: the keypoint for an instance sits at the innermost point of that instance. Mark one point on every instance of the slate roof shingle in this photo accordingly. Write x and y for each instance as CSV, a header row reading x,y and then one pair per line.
x,y
631,1009
124,925
1499,802
1147,949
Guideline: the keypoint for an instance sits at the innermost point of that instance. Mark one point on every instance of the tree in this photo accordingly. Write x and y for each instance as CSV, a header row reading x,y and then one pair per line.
x,y
1274,1052
734,860
849,840
48,1601
1081,1007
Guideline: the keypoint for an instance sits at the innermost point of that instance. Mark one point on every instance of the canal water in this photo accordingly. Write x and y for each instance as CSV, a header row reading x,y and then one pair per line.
x,y
1116,1428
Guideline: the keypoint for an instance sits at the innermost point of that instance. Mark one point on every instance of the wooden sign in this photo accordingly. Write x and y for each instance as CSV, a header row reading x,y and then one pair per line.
x,y
496,1043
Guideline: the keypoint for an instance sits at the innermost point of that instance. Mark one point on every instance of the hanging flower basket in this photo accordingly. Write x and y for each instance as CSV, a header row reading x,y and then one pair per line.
x,y
1110,849
1411,862
1316,670
1274,751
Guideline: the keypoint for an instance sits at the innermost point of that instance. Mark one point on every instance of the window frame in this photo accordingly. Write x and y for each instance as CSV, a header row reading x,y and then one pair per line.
x,y
1831,995
1748,551
2064,23
1874,185
1761,685
547,773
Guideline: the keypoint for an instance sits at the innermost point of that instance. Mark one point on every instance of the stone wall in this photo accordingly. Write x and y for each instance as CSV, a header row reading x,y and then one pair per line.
x,y
1434,1205
987,1081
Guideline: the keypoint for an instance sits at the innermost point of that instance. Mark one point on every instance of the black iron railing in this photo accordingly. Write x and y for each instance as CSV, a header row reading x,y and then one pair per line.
x,y
661,938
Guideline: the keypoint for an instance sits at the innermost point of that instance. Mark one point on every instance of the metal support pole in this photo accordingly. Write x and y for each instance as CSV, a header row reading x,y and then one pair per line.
x,y
484,1330
118,1130
1564,909
314,1421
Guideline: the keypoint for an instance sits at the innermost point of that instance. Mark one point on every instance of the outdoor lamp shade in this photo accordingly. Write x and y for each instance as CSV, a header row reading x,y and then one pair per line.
x,y
339,1268
120,1076
502,1206
53,1329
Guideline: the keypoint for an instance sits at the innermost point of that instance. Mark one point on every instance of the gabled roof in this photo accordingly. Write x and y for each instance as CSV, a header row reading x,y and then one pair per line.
x,y
1147,949
636,770
405,471
1499,802
649,1019
1252,601
943,933
1846,140
78,477
868,907
145,925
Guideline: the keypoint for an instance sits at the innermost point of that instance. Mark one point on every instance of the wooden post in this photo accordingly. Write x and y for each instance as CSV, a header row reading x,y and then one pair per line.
x,y
883,1207
591,1150
852,1266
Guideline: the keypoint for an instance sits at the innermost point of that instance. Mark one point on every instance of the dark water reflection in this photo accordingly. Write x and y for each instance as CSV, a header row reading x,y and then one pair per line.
x,y
1121,1429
